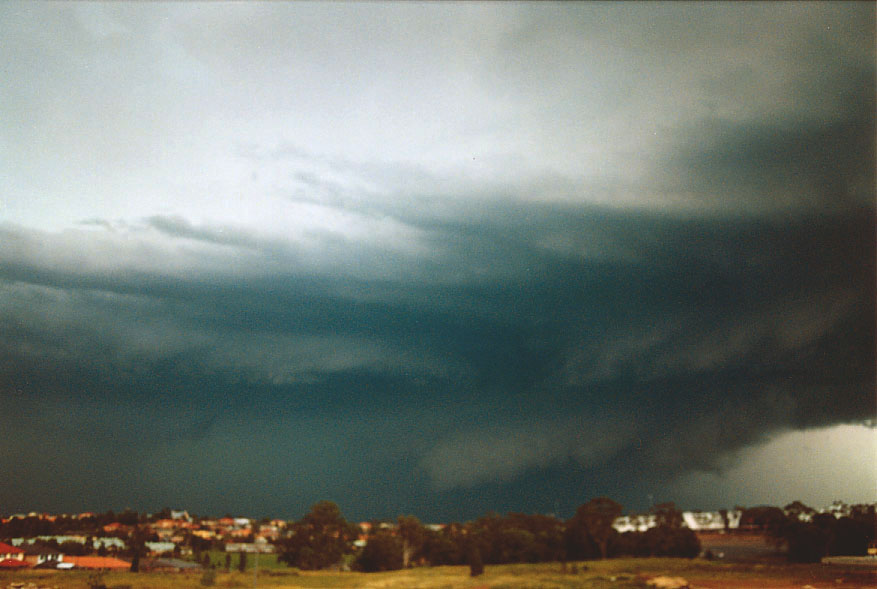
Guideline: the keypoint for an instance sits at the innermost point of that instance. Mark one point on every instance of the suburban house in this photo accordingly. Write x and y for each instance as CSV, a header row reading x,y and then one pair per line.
x,y
42,556
261,547
634,523
156,548
703,521
181,514
8,552
697,521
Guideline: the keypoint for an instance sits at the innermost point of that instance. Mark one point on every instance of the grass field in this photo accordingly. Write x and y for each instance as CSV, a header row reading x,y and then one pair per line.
x,y
266,561
620,573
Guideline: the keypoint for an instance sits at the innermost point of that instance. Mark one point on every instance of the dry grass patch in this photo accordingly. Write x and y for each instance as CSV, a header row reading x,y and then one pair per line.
x,y
609,574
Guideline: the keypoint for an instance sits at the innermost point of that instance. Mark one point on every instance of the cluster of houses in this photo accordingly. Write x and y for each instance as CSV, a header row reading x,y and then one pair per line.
x,y
719,521
698,521
41,557
171,541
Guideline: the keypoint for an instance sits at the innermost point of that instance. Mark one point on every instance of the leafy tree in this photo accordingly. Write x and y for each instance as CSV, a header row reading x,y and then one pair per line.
x,y
765,518
768,519
476,564
73,548
667,516
725,521
669,541
382,552
797,511
128,518
867,517
412,534
445,546
806,542
850,537
320,539
199,544
165,513
593,522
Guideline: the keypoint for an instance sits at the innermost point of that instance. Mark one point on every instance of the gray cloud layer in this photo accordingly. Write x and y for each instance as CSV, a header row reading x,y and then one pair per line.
x,y
289,251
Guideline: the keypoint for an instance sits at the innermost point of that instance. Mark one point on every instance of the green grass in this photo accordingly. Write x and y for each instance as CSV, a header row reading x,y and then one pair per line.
x,y
266,561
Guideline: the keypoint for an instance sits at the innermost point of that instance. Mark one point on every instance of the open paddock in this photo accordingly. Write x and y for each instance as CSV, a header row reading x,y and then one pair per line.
x,y
616,573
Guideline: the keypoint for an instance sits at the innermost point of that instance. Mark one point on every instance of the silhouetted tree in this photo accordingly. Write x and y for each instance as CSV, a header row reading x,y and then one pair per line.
x,y
798,511
320,539
850,537
412,534
806,542
382,552
444,546
137,544
128,518
593,522
667,516
135,563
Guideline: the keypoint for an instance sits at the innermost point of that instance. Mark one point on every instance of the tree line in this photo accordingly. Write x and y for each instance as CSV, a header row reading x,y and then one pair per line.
x,y
323,537
808,536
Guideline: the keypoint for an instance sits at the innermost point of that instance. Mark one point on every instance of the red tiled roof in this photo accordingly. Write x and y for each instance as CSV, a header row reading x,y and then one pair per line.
x,y
7,549
97,562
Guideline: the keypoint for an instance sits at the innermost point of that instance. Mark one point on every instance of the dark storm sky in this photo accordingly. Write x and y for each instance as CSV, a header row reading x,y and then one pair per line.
x,y
436,259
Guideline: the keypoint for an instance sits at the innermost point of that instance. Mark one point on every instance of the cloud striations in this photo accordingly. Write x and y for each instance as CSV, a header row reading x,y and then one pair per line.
x,y
437,259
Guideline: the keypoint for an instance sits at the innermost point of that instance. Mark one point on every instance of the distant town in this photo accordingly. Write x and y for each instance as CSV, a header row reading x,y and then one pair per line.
x,y
177,541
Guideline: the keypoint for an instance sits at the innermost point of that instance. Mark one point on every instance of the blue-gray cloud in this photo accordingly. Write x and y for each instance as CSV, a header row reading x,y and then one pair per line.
x,y
644,256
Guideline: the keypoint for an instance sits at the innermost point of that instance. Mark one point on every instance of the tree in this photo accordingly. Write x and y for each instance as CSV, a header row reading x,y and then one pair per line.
x,y
128,518
593,521
412,534
165,513
667,516
806,542
444,546
797,511
320,539
476,564
768,519
137,542
850,537
382,552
